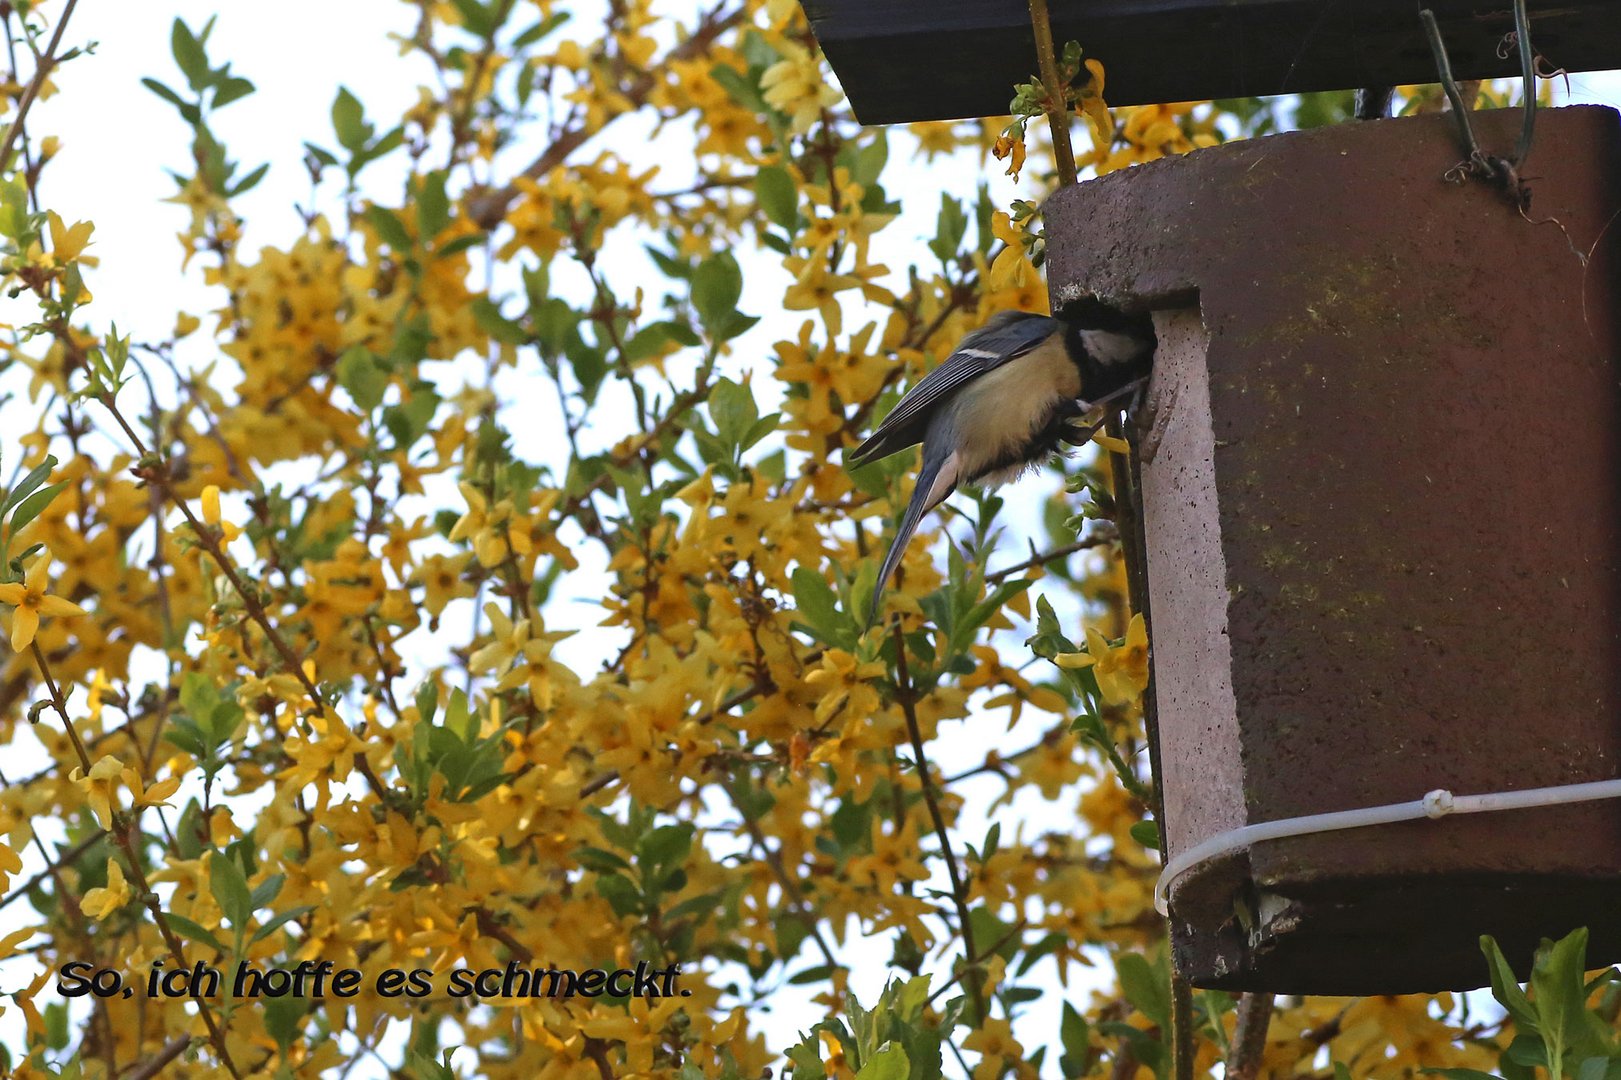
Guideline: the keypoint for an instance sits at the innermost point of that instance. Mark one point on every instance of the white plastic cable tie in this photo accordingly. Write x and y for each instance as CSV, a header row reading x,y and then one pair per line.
x,y
1433,806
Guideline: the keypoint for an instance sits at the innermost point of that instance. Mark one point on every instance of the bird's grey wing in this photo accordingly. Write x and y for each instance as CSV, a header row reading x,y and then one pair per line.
x,y
1010,334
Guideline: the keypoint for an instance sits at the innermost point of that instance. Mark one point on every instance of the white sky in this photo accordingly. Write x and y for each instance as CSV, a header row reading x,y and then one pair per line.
x,y
117,137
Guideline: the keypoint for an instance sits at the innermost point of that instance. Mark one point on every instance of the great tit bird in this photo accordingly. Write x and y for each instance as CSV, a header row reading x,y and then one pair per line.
x,y
1003,401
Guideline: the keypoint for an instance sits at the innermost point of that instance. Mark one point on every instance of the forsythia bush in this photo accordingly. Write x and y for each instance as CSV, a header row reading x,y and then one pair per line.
x,y
284,628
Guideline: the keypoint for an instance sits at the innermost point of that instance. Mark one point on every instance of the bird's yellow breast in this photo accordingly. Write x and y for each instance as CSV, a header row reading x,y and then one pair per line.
x,y
1000,412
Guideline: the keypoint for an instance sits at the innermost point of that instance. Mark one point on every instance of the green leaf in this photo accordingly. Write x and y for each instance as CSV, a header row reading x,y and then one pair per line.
x,y
716,286
991,931
870,160
621,894
363,377
743,90
1569,1031
230,890
163,92
389,228
56,1025
224,720
647,342
1146,833
250,181
805,1059
477,18
427,701
949,229
188,929
189,831
408,420
281,920
889,1063
733,325
460,717
349,120
1145,987
1505,987
31,507
811,975
189,54
198,696
184,733
665,846
391,141
490,320
1527,1050
35,477
1599,1068
1075,1035
231,89
284,1018
460,244
732,407
778,197
540,30
992,841
267,891
323,156
1042,949
698,907
819,607
433,206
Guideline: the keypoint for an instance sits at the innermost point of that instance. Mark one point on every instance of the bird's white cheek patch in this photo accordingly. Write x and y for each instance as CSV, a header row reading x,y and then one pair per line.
x,y
1107,347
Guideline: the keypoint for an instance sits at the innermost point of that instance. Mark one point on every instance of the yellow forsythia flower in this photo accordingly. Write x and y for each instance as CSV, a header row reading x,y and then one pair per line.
x,y
100,903
1122,673
28,597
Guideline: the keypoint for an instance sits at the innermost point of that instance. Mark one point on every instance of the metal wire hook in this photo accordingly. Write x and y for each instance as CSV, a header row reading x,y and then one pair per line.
x,y
1528,78
1502,172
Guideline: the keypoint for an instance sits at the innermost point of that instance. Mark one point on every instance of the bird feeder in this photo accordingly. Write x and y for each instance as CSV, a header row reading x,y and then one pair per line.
x,y
1382,482
1382,512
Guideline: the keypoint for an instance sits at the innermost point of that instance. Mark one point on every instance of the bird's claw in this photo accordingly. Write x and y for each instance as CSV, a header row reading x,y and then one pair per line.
x,y
1078,411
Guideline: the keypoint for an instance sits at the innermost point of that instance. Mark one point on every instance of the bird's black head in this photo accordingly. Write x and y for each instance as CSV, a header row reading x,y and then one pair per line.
x,y
1090,313
1119,355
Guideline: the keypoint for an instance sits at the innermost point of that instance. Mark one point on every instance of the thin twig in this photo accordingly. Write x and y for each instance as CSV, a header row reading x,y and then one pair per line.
x,y
773,859
597,783
959,892
41,73
208,539
1046,557
995,761
489,207
992,949
171,1050
1056,106
120,832
597,1051
66,858
1248,1047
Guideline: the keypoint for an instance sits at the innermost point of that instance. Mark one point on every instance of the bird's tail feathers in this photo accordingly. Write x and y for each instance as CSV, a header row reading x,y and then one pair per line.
x,y
868,451
936,480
